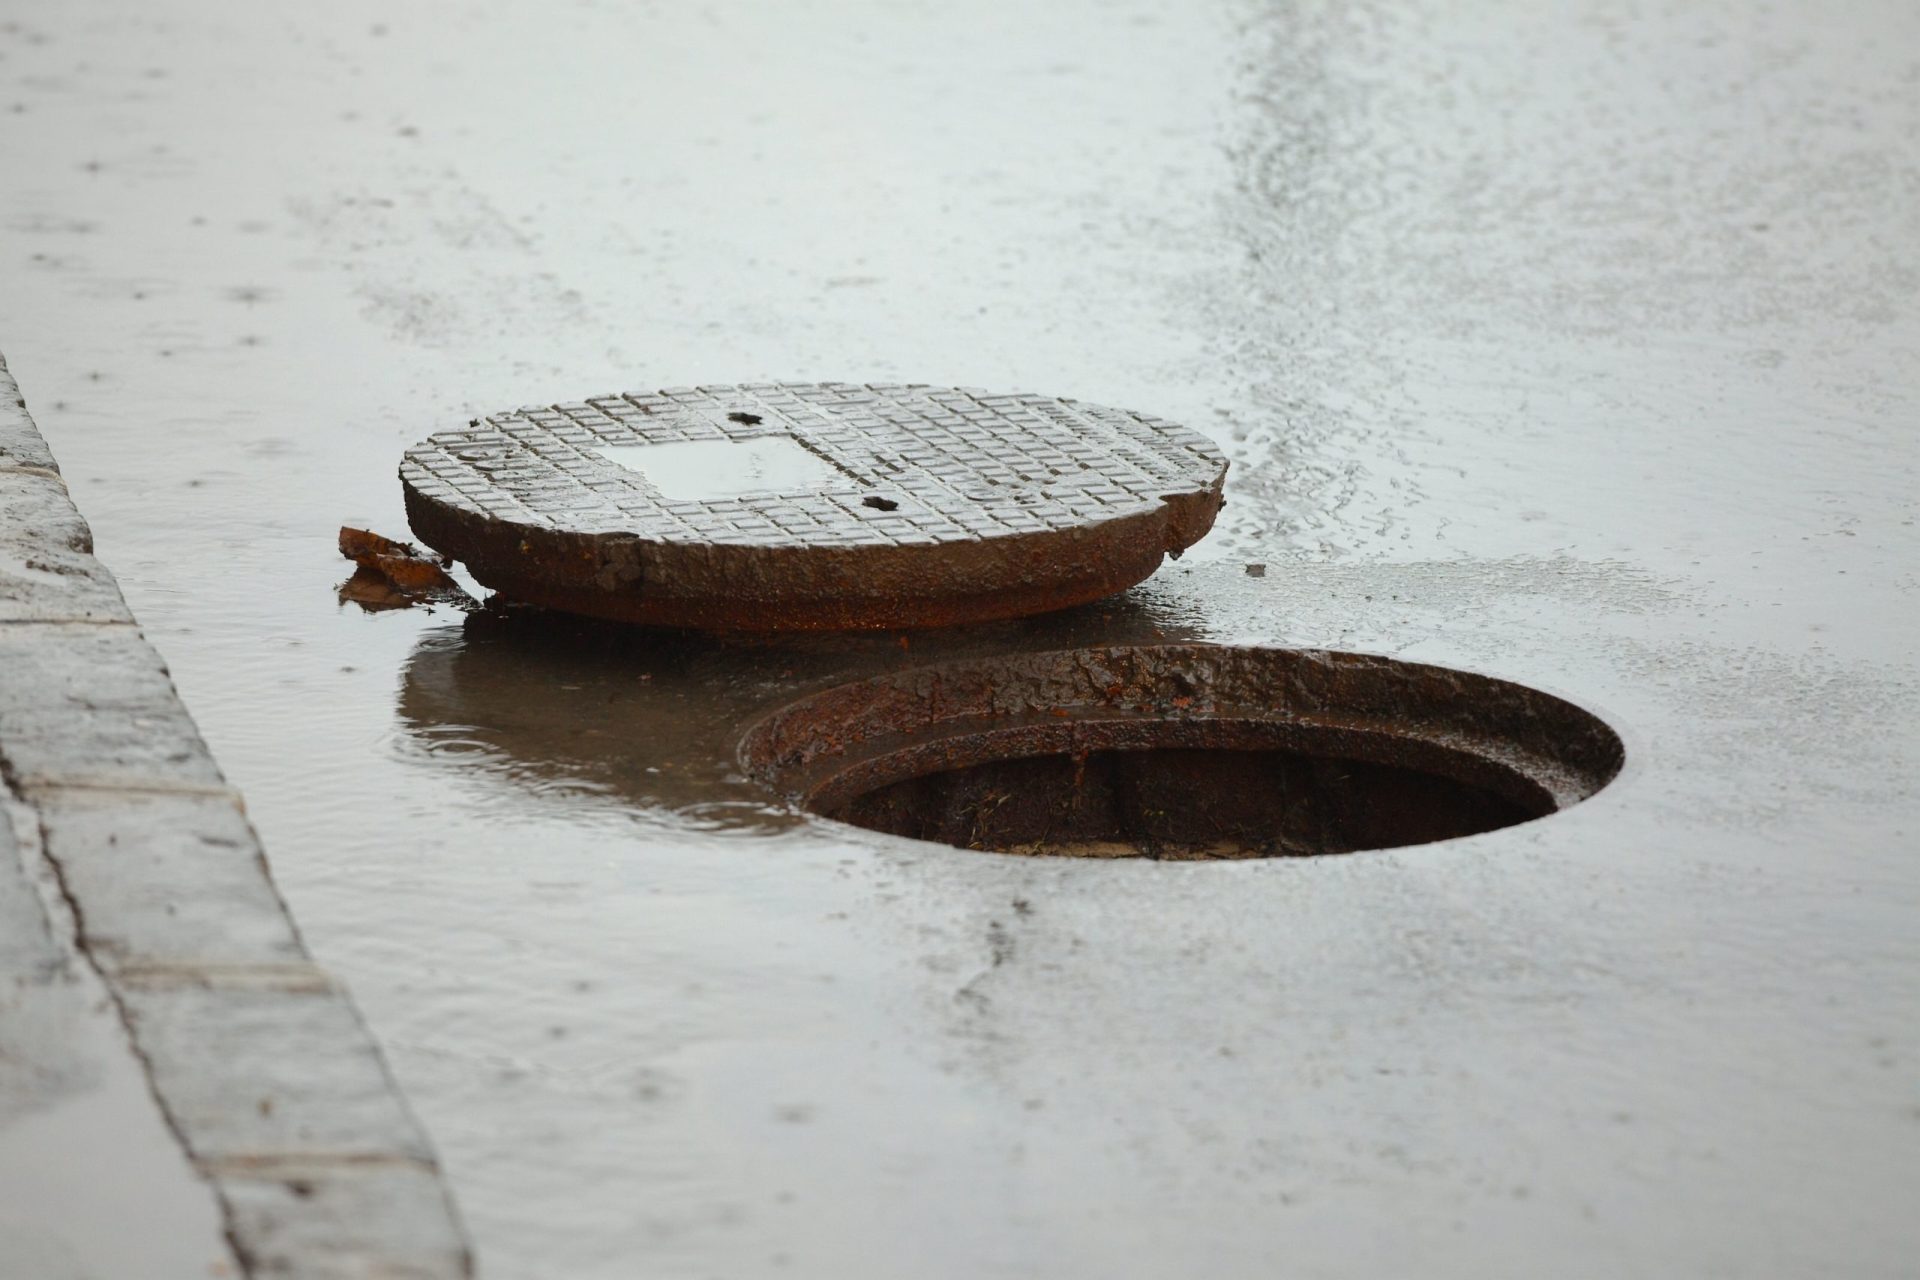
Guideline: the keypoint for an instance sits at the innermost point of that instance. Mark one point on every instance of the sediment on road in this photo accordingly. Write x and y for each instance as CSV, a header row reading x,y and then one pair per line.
x,y
258,1059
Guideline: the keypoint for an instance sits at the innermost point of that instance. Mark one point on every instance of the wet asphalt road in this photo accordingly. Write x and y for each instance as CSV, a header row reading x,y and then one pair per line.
x,y
1575,347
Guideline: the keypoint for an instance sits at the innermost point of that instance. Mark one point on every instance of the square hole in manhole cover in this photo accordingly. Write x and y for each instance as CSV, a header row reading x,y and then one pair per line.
x,y
709,469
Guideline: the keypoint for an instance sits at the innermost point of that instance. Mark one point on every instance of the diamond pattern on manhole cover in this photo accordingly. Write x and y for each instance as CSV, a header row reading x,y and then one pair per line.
x,y
776,506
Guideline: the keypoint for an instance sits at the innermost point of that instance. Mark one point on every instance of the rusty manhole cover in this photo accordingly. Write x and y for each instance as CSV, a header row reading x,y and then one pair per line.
x,y
779,506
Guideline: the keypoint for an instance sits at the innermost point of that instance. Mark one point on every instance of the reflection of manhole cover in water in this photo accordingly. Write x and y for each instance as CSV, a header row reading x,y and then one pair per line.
x,y
777,506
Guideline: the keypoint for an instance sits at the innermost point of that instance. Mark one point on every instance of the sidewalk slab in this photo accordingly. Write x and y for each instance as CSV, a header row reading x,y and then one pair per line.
x,y
93,1186
47,569
275,1094
21,444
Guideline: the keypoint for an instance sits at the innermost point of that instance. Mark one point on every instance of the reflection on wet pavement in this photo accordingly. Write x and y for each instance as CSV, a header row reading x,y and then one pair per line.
x,y
598,713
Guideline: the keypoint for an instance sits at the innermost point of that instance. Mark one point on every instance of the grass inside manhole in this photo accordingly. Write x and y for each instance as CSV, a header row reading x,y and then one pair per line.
x,y
1183,752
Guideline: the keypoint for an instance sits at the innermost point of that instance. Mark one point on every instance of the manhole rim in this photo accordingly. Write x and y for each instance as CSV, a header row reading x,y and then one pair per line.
x,y
802,786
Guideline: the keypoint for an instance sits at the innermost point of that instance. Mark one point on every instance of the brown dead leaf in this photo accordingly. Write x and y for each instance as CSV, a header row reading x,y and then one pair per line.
x,y
394,574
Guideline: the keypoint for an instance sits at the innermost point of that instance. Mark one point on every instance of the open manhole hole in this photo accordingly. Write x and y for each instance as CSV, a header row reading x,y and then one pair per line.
x,y
1183,752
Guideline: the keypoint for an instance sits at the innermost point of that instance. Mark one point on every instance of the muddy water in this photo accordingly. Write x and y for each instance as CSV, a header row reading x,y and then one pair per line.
x,y
1571,347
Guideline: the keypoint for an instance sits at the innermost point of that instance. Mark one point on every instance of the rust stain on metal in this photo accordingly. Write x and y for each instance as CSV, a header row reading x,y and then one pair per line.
x,y
770,507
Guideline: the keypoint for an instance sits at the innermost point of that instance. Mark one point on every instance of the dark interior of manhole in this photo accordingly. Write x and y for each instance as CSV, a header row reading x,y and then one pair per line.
x,y
1184,753
1183,804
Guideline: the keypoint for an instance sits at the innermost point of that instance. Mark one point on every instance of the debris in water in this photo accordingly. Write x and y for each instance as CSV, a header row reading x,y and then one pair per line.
x,y
396,575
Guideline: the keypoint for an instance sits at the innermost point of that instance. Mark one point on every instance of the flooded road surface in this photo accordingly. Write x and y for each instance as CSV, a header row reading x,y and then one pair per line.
x,y
1572,347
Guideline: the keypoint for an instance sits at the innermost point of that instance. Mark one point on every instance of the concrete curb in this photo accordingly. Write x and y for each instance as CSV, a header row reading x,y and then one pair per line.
x,y
258,1059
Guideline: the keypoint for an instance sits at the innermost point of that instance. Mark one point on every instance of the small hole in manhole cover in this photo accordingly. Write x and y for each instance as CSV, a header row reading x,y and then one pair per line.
x,y
1183,752
880,504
